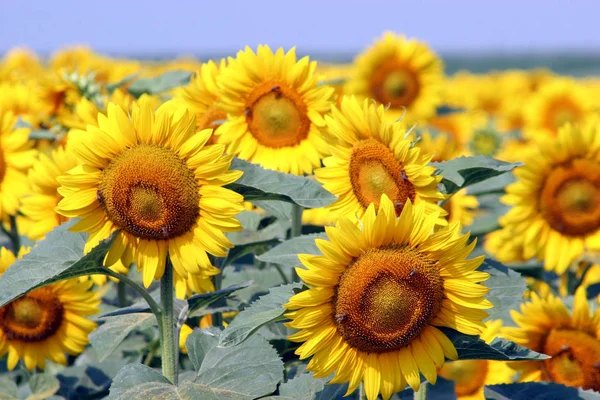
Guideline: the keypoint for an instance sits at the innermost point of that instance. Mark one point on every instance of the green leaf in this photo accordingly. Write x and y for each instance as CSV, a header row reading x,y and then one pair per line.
x,y
266,309
107,337
59,256
199,301
506,289
244,372
301,387
276,230
287,252
137,381
111,87
537,391
42,134
159,84
263,279
279,209
461,172
42,386
442,390
8,389
495,185
249,220
258,183
473,348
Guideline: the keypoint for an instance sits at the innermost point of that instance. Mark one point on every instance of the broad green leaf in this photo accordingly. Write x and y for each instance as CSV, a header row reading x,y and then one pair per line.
x,y
258,183
199,301
59,256
249,220
137,381
42,134
266,309
42,386
537,391
111,87
472,348
506,289
242,250
442,390
159,84
301,387
275,230
279,209
287,252
262,279
495,185
461,172
8,389
244,372
107,337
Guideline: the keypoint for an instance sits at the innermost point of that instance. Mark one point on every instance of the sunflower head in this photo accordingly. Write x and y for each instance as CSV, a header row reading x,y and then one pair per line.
x,y
402,73
275,108
377,294
47,322
372,157
151,177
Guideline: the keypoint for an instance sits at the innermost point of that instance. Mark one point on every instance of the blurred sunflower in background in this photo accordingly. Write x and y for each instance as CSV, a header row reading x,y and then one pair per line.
x,y
571,339
371,157
151,177
47,322
377,295
275,108
461,208
556,199
400,73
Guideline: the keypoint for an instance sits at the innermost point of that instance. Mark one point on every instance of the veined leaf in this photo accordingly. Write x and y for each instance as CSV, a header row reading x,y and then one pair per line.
x,y
107,337
199,301
42,386
506,289
300,387
287,252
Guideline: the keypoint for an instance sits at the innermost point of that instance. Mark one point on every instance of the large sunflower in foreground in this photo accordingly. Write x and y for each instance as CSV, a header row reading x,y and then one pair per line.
x,y
275,108
152,178
47,322
572,340
556,199
16,156
556,103
471,376
377,295
401,73
371,157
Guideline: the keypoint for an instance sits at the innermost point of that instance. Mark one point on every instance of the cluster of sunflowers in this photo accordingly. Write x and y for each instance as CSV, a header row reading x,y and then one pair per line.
x,y
152,160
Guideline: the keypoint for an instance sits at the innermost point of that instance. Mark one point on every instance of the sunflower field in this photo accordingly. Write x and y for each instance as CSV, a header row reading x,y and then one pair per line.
x,y
266,226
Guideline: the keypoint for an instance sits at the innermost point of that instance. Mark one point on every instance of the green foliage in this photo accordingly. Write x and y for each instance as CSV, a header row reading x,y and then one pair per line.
x,y
300,387
537,391
506,289
462,172
42,386
200,301
287,252
113,330
159,84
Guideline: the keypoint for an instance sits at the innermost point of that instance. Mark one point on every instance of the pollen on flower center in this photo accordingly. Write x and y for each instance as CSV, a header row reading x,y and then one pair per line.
x,y
277,116
575,358
150,192
375,171
468,375
33,317
570,197
394,83
386,297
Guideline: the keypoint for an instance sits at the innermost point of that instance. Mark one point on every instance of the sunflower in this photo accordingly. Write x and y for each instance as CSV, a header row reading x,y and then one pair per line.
x,y
319,216
47,322
275,108
470,376
205,322
20,65
546,326
461,207
440,144
16,156
401,73
537,286
556,199
556,103
335,75
151,178
201,97
377,295
504,246
20,99
371,157
459,126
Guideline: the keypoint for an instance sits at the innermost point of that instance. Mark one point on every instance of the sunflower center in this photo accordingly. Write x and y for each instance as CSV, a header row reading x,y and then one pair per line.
x,y
486,142
570,197
386,297
277,115
374,171
561,112
394,83
150,192
575,358
468,375
33,317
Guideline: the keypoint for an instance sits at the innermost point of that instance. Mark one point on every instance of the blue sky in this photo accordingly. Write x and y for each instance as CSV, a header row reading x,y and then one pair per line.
x,y
186,27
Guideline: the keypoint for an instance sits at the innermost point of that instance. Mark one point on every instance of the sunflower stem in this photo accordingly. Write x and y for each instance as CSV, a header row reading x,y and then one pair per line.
x,y
296,231
421,394
15,240
168,338
121,294
217,318
154,307
361,391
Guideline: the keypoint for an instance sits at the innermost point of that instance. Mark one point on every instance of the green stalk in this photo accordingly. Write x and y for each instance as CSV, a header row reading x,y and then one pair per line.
x,y
296,230
168,341
15,240
122,294
217,318
141,291
421,394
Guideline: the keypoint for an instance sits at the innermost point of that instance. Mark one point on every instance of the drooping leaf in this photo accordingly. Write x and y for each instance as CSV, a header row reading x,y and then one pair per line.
x,y
159,84
506,289
107,337
258,183
472,348
300,387
42,386
59,256
268,308
537,391
461,172
199,301
287,252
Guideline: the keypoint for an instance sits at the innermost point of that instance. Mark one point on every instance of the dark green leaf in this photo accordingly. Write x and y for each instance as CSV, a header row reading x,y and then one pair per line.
x,y
107,337
59,256
447,110
199,301
42,386
442,390
287,252
495,185
506,289
472,348
159,84
593,291
268,308
537,391
258,183
461,172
